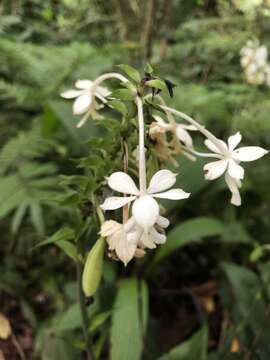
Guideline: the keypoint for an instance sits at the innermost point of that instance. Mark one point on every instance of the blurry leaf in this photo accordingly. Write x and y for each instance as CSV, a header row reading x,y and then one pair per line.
x,y
193,349
68,248
55,348
36,217
70,320
190,179
126,332
189,231
62,234
235,232
148,69
63,110
256,254
248,306
5,328
157,84
131,72
98,320
123,94
93,267
118,106
17,218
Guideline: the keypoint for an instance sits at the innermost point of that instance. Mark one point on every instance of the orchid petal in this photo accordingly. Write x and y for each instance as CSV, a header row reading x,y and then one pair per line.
x,y
157,237
163,222
215,169
125,249
123,183
147,241
84,84
116,202
162,180
184,136
249,153
174,194
211,146
233,187
71,94
145,211
236,171
102,91
234,140
82,103
109,227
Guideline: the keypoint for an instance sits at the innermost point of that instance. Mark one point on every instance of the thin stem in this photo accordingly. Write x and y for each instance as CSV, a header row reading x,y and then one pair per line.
x,y
194,152
84,315
204,131
106,77
142,168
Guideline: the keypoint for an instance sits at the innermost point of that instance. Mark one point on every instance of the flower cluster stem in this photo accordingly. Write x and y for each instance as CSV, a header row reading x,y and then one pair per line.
x,y
142,168
202,129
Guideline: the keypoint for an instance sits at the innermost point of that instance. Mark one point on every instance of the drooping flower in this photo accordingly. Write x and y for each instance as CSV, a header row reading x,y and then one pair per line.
x,y
145,208
228,163
129,240
181,131
85,102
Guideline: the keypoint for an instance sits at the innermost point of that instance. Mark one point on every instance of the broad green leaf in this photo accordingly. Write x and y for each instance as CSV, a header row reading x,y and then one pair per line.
x,y
68,248
193,349
118,106
93,267
157,84
123,94
70,319
55,348
127,329
187,232
235,232
62,234
131,72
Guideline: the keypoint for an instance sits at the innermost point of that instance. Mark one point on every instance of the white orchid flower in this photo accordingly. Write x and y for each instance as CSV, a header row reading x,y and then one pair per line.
x,y
229,160
129,240
145,208
180,130
85,102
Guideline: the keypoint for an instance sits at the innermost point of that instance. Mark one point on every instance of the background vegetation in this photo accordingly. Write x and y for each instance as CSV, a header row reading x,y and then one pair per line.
x,y
203,295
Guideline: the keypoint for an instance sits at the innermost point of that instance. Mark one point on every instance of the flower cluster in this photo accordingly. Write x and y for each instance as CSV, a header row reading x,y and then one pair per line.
x,y
143,226
254,61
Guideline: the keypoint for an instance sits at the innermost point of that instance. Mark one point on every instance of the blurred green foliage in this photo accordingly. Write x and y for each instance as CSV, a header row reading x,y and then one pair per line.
x,y
206,291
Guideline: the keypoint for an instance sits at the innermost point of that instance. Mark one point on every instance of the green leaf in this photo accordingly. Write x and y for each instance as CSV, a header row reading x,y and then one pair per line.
x,y
123,94
157,84
17,218
98,320
118,106
193,349
68,248
131,72
62,234
70,319
36,217
148,69
127,330
187,232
